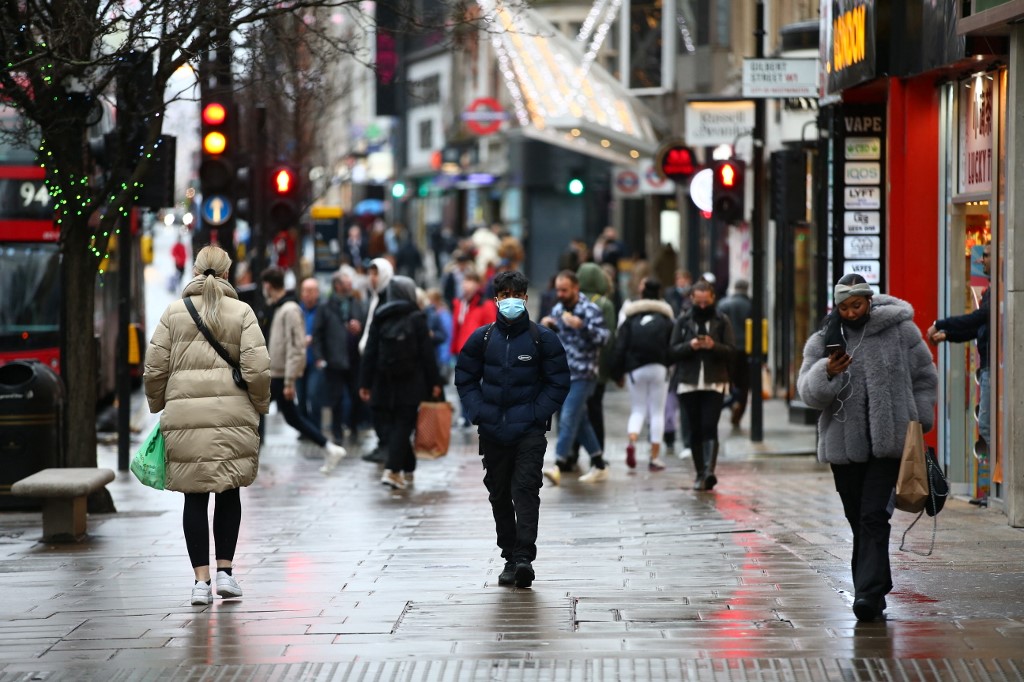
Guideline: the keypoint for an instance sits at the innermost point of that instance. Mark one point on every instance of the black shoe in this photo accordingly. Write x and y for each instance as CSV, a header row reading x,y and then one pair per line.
x,y
378,456
524,574
508,574
866,609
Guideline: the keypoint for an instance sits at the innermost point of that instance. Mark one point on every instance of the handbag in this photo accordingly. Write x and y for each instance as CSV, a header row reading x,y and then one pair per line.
x,y
938,491
149,463
433,430
912,482
236,370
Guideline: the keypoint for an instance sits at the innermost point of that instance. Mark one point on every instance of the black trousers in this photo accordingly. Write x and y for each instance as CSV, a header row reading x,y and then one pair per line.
x,y
341,390
195,521
512,475
394,427
290,411
703,409
866,489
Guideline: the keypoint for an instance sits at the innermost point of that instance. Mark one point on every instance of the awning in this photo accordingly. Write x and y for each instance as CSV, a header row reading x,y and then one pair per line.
x,y
561,95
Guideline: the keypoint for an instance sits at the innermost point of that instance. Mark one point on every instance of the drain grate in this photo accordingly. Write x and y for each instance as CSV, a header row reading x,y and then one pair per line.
x,y
568,670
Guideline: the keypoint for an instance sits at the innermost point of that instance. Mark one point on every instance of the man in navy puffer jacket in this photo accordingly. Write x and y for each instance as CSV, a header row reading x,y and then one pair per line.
x,y
512,376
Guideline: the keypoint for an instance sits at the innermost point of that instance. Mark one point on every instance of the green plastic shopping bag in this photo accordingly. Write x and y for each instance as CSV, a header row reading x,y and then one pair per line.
x,y
148,462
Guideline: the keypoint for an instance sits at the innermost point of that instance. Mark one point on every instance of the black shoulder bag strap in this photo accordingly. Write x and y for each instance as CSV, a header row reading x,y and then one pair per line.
x,y
236,370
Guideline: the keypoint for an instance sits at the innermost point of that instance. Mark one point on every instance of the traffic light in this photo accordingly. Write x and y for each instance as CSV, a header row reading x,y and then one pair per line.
x,y
283,207
575,187
398,190
216,172
727,200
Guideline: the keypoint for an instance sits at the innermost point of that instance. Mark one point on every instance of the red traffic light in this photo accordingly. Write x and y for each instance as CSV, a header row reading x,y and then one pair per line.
x,y
284,181
676,161
214,114
728,174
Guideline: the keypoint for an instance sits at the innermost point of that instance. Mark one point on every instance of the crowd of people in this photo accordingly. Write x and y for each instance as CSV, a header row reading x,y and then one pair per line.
x,y
378,345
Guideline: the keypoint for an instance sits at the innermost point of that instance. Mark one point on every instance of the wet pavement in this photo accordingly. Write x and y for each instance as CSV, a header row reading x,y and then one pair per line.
x,y
637,578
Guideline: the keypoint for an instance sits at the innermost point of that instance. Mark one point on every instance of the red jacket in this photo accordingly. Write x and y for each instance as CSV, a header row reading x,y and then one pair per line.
x,y
467,318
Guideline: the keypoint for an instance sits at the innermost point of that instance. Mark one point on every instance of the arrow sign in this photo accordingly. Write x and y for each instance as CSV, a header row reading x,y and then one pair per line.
x,y
216,210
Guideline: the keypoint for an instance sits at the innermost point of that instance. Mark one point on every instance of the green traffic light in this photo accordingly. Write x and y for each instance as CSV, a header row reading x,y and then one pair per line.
x,y
398,190
575,187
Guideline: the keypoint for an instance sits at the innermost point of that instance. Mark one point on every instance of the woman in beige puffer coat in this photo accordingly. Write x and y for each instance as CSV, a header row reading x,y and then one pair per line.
x,y
210,425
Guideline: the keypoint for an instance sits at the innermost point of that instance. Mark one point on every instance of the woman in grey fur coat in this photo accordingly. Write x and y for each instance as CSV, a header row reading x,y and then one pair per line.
x,y
870,373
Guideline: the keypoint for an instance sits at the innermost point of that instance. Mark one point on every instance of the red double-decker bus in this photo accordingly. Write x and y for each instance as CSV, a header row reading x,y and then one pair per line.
x,y
30,280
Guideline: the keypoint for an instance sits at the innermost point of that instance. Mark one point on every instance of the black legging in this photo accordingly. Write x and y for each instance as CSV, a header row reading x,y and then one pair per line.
x,y
227,517
703,408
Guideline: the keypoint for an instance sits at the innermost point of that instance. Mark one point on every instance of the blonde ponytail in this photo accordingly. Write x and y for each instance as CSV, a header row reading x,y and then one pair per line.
x,y
212,261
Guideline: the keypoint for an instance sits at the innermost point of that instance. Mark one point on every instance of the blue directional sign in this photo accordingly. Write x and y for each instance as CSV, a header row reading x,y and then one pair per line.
x,y
216,210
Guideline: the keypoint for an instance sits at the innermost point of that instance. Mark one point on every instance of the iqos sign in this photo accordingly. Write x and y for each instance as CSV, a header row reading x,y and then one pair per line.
x,y
862,173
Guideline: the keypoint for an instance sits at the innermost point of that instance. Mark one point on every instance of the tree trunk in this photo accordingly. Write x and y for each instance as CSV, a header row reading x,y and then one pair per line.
x,y
79,347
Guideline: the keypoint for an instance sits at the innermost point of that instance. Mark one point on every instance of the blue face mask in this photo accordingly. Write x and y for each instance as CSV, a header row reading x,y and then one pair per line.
x,y
511,308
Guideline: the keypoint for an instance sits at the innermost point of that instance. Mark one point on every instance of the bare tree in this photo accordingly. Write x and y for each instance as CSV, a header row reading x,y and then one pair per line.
x,y
63,59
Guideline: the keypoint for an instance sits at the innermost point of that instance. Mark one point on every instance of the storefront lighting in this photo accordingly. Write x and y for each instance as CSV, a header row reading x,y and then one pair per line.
x,y
606,144
575,132
634,153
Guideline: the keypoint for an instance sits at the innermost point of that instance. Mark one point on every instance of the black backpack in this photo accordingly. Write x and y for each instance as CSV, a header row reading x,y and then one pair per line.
x,y
399,347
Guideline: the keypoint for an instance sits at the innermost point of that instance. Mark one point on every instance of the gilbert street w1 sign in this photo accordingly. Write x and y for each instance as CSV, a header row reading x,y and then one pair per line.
x,y
767,78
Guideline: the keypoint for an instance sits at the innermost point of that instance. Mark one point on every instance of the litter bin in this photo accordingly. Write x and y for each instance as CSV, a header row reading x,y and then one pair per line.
x,y
31,415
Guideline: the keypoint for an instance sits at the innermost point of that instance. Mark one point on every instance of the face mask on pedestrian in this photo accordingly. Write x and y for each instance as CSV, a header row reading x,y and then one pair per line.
x,y
512,308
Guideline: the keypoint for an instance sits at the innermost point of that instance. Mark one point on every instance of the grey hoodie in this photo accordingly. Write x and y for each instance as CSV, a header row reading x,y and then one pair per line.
x,y
891,381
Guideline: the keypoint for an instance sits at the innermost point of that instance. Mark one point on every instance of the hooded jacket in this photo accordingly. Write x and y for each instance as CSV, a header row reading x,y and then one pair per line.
x,y
643,337
387,392
385,271
210,426
510,385
468,316
891,381
332,341
594,285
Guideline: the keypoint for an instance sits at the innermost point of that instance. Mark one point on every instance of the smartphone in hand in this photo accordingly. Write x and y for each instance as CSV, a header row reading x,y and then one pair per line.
x,y
834,349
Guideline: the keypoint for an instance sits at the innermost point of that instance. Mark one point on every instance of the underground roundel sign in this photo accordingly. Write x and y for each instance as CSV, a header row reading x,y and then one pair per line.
x,y
484,116
676,161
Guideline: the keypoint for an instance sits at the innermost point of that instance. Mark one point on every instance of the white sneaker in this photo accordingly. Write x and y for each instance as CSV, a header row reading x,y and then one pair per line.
x,y
202,595
554,474
595,475
227,586
335,453
394,479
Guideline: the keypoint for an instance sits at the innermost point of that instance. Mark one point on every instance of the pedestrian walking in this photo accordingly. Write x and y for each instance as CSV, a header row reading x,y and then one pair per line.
x,y
580,326
470,311
440,322
310,386
398,372
641,359
336,330
180,257
512,376
287,345
737,307
701,345
210,424
378,276
973,325
870,372
595,286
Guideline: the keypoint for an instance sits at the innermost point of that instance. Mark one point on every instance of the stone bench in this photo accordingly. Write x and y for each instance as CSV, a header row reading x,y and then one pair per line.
x,y
64,493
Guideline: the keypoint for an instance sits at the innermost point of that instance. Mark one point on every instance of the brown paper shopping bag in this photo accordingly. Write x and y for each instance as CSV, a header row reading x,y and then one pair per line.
x,y
433,430
912,483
